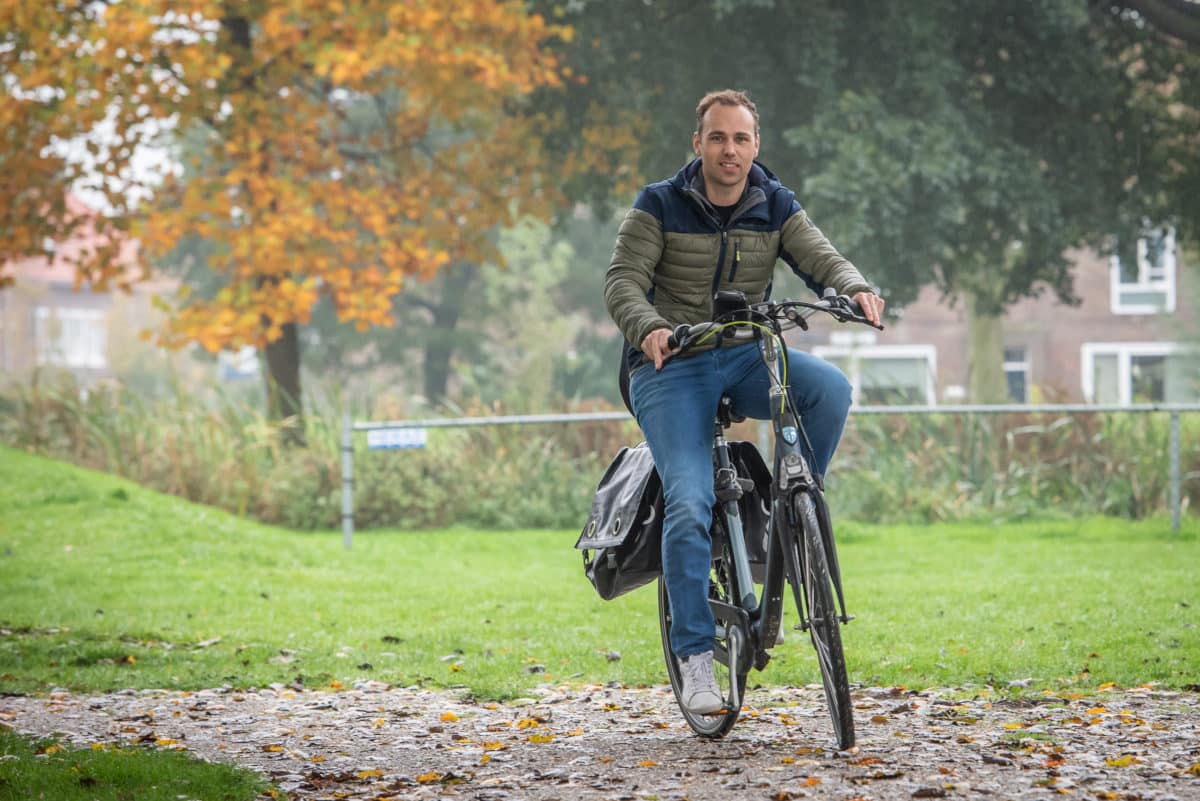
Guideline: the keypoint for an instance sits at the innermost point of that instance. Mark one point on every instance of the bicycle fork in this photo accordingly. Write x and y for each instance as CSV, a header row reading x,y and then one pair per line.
x,y
793,475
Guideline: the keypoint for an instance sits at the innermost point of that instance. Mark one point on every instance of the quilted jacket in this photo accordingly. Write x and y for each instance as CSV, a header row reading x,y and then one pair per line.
x,y
673,254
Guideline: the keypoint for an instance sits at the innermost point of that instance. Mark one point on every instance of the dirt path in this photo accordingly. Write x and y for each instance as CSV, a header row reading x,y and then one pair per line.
x,y
377,742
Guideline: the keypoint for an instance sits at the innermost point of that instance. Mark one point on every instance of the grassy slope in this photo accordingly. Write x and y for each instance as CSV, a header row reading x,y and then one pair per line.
x,y
104,585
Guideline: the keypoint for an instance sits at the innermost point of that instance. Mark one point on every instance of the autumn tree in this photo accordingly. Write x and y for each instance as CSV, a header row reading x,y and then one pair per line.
x,y
342,149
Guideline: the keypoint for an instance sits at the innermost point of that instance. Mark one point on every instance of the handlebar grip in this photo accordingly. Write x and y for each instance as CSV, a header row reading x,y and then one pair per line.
x,y
678,335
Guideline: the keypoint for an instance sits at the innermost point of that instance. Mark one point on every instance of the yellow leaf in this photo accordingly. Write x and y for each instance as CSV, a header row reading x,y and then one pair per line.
x,y
486,758
430,777
527,723
788,761
611,707
318,758
493,745
541,738
448,717
369,774
574,733
1011,726
812,781
336,685
648,763
164,741
1108,685
54,749
273,749
1122,761
1097,710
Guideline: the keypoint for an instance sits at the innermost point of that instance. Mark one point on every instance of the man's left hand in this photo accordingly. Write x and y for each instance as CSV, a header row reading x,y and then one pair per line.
x,y
871,305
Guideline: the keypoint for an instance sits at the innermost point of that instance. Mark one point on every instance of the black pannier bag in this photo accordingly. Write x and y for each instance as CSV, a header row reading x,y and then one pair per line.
x,y
622,540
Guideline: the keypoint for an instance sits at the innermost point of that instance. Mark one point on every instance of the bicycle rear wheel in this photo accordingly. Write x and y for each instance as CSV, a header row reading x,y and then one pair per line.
x,y
729,653
806,557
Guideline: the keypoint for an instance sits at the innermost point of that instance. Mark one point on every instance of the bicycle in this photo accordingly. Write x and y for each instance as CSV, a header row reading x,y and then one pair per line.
x,y
800,547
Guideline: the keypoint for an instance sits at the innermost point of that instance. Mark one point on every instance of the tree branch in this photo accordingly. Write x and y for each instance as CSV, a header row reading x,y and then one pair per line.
x,y
1176,19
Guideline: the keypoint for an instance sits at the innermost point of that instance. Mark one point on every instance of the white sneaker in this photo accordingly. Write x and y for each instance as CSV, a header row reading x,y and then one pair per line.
x,y
700,694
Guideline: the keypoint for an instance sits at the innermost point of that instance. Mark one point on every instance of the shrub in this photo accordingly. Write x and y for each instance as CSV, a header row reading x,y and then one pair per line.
x,y
216,450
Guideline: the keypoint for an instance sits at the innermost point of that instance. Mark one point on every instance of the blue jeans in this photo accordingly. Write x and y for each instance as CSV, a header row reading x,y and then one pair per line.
x,y
676,409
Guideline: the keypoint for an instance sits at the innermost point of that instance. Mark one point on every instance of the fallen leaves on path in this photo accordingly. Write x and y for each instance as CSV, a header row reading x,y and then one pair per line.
x,y
608,742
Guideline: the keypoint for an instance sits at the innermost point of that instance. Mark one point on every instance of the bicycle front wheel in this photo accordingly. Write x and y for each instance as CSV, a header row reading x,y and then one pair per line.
x,y
824,625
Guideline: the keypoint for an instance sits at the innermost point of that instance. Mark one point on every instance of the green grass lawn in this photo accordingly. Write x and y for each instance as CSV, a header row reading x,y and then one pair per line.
x,y
46,769
104,585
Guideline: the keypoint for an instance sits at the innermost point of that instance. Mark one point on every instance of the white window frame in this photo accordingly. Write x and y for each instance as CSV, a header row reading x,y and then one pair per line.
x,y
88,352
1124,351
1024,366
1149,279
855,354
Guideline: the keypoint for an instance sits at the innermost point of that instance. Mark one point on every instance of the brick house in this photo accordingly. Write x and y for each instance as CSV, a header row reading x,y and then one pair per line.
x,y
46,324
1129,340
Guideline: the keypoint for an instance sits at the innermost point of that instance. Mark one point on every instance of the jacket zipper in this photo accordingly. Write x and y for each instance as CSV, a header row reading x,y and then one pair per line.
x,y
716,282
737,260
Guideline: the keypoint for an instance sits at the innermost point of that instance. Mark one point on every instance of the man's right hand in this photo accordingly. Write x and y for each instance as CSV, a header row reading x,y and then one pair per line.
x,y
655,346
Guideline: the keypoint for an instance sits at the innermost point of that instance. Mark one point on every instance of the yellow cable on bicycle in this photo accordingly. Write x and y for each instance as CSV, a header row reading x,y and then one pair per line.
x,y
769,332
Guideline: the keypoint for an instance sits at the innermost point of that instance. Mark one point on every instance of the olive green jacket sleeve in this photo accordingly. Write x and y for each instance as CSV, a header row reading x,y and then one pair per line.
x,y
631,275
808,252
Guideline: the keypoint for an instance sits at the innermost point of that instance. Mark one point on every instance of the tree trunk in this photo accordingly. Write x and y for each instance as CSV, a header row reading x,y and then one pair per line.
x,y
440,345
284,400
986,382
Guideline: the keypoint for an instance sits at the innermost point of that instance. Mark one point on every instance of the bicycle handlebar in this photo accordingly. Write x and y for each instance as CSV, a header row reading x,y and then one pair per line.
x,y
782,316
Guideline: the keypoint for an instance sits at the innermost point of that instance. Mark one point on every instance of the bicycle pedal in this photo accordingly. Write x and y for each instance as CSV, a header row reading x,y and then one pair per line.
x,y
846,618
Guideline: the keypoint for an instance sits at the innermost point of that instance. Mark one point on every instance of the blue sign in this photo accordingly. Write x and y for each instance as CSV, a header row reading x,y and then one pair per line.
x,y
395,438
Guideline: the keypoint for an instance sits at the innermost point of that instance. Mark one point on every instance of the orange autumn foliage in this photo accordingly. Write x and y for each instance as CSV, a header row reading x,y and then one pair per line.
x,y
335,148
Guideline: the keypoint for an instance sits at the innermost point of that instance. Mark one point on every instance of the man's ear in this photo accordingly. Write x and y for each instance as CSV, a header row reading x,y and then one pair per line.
x,y
696,142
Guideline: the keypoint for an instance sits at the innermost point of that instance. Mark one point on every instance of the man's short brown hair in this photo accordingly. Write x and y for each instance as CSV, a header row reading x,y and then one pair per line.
x,y
726,97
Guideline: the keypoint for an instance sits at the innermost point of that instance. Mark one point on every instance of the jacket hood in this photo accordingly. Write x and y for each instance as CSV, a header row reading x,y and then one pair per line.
x,y
760,176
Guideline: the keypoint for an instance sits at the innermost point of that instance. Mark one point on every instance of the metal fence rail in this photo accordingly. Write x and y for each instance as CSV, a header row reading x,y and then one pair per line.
x,y
349,427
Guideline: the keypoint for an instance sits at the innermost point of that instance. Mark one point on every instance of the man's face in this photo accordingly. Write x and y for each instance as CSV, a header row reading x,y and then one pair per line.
x,y
727,145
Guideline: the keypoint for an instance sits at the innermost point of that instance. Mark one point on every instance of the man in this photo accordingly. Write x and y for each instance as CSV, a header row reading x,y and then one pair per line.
x,y
721,223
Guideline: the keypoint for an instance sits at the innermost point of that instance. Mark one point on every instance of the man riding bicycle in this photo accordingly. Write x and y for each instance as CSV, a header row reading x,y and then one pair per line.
x,y
720,224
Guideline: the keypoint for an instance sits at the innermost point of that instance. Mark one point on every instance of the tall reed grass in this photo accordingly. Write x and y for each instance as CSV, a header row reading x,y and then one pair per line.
x,y
216,449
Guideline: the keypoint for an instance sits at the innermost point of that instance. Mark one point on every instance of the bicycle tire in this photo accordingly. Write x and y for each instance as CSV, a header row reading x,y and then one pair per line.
x,y
721,587
824,624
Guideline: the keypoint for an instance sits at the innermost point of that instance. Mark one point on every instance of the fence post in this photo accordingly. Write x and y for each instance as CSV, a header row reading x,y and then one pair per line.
x,y
347,481
1175,493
